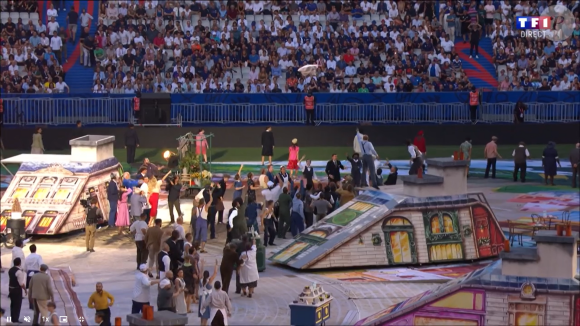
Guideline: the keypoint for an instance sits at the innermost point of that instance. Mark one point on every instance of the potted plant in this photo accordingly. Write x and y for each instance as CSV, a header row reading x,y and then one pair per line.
x,y
189,163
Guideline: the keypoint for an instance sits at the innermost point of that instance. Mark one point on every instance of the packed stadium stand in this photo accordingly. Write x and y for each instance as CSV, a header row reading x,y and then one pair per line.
x,y
186,46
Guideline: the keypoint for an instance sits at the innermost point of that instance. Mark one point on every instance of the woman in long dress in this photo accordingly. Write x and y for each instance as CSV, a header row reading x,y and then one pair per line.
x,y
249,270
205,288
37,146
190,278
180,305
123,219
267,144
154,188
201,145
549,160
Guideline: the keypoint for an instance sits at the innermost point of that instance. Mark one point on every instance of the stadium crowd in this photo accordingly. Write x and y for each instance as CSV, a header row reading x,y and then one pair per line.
x,y
255,46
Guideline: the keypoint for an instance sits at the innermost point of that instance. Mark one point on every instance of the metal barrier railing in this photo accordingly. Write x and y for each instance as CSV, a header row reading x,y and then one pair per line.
x,y
66,111
63,111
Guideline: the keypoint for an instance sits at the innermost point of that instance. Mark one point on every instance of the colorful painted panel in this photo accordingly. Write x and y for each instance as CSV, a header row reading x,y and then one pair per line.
x,y
436,321
350,214
290,252
526,312
460,300
577,310
443,235
488,237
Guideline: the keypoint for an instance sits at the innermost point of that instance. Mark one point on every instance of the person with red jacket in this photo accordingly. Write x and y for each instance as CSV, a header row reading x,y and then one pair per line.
x,y
419,141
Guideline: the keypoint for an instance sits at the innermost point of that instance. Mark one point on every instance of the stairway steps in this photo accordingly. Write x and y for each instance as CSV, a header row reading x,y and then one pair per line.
x,y
480,71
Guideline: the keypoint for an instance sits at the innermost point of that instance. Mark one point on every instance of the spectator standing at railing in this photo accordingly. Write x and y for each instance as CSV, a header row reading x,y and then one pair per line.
x,y
474,99
519,112
309,107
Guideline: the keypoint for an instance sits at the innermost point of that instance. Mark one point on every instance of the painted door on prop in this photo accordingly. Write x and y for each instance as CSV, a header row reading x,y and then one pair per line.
x,y
487,236
442,234
399,240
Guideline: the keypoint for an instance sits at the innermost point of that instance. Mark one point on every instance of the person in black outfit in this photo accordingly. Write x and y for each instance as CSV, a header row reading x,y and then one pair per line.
x,y
131,143
308,174
475,34
355,171
221,207
175,251
213,208
16,284
267,144
113,198
173,197
236,204
241,248
519,112
79,130
392,178
333,168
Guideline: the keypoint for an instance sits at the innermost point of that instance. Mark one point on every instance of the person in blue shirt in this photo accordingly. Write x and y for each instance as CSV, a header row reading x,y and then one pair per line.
x,y
357,13
254,58
252,214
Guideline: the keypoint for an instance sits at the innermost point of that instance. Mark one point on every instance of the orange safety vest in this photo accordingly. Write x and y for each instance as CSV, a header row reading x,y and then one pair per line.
x,y
473,98
309,102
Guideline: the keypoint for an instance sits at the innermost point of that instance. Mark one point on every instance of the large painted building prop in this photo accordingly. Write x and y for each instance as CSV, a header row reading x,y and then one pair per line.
x,y
49,187
409,225
528,286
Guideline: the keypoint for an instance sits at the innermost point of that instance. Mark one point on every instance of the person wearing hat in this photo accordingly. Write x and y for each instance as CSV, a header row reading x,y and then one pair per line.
x,y
293,154
141,290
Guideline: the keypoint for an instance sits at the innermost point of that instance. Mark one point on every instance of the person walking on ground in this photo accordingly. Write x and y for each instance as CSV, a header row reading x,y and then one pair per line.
x,y
308,208
249,269
368,162
139,230
137,201
154,189
220,204
267,145
181,306
252,215
16,284
190,277
232,214
201,144
268,220
37,146
474,99
101,301
355,169
131,143
238,187
419,141
175,251
416,158
41,293
250,187
549,160
309,107
293,154
93,214
205,289
490,153
163,261
142,289
308,174
298,219
201,225
32,266
219,305
123,219
466,148
214,205
181,230
230,260
520,155
333,168
17,251
284,219
575,162
153,244
174,193
113,198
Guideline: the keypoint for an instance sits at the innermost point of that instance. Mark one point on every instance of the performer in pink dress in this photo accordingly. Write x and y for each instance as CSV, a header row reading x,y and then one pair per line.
x,y
123,209
201,145
293,152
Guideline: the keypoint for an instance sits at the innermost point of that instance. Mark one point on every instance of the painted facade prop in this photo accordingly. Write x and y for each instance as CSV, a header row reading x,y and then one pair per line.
x,y
411,231
49,187
519,289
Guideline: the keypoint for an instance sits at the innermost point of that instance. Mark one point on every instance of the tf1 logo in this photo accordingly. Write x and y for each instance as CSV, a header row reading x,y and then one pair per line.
x,y
533,26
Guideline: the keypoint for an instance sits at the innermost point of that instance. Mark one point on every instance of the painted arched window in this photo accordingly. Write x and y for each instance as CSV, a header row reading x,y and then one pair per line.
x,y
448,224
399,237
435,226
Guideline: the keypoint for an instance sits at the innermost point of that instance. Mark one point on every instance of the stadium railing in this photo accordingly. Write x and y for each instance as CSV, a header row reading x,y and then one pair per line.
x,y
104,110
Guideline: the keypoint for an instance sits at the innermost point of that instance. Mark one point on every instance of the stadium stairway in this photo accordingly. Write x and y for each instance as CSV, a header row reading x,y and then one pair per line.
x,y
79,78
481,72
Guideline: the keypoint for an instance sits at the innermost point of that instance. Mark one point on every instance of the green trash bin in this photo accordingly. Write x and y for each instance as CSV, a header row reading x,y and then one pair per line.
x,y
260,253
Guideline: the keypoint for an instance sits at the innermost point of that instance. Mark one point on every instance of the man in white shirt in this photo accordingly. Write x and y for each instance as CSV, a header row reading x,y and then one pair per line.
x,y
60,86
163,261
141,290
17,251
520,155
56,46
53,26
17,284
416,158
51,12
179,228
139,228
447,44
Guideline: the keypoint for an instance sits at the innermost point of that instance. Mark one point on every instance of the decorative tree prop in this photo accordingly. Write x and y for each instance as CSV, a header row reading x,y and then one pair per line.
x,y
187,146
16,212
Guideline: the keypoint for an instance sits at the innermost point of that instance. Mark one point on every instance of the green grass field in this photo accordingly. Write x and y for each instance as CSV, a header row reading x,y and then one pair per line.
x,y
319,153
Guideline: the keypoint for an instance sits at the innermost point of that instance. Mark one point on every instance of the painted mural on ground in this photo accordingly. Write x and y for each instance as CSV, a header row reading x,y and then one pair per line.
x,y
434,274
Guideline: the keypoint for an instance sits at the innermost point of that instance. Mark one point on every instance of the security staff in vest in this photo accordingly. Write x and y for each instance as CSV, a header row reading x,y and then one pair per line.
x,y
16,284
309,104
520,154
473,104
93,215
368,162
